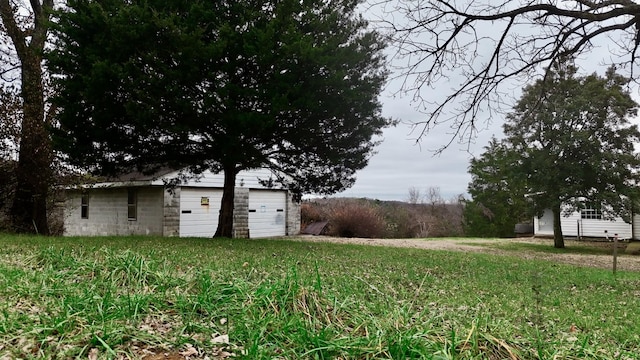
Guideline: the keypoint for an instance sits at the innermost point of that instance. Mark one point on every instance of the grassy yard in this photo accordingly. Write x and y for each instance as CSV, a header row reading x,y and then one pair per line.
x,y
167,298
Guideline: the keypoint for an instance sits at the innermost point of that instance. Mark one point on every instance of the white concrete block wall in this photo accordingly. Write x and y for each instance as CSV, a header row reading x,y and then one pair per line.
x,y
241,213
108,212
293,215
171,217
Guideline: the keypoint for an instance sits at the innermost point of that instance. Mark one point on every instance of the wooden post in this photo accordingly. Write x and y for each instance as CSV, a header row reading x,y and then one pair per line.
x,y
615,252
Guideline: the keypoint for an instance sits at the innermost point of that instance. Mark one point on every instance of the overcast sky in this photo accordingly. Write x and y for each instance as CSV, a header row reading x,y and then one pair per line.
x,y
401,164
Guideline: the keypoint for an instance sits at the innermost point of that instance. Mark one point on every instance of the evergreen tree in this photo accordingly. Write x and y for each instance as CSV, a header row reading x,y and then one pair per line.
x,y
226,86
574,145
498,201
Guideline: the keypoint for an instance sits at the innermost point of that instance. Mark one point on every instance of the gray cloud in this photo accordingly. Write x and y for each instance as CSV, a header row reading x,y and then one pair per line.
x,y
402,163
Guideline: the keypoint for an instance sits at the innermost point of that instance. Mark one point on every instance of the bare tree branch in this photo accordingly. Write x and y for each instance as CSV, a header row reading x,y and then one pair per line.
x,y
18,37
482,51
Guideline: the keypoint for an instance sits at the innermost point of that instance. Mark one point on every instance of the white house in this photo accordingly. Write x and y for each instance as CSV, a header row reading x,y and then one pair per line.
x,y
146,205
588,223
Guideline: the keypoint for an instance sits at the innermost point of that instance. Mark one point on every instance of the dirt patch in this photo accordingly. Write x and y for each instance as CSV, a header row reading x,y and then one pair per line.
x,y
625,261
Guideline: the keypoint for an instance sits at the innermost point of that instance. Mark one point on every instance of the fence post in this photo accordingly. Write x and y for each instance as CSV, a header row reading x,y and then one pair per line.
x,y
615,252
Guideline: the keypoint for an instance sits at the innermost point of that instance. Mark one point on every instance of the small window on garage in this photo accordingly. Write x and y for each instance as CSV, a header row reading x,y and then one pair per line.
x,y
84,206
132,204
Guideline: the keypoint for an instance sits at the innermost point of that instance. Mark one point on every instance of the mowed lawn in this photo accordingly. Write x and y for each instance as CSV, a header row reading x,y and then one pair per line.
x,y
168,298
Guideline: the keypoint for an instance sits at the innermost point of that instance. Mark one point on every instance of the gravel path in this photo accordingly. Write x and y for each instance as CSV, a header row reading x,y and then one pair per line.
x,y
625,261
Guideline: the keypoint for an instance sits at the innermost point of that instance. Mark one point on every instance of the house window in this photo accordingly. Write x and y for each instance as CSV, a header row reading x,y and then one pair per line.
x,y
132,204
591,214
84,206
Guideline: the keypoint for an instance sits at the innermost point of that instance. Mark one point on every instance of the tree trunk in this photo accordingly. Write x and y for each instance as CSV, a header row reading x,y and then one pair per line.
x,y
558,240
33,172
225,219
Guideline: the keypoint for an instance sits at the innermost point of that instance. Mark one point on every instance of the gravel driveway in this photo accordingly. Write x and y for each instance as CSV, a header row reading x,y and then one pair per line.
x,y
625,261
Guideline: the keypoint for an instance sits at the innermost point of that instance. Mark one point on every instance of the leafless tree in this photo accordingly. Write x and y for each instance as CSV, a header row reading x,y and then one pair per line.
x,y
433,197
477,53
414,196
24,27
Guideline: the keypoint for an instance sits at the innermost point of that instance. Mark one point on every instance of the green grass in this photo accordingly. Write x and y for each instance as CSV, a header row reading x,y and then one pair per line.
x,y
574,248
129,297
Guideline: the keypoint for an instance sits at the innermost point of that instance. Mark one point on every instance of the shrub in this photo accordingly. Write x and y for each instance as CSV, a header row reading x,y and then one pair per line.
x,y
482,222
310,212
398,220
353,218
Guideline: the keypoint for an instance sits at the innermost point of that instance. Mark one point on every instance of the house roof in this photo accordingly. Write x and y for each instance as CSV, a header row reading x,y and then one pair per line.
x,y
130,179
140,176
165,176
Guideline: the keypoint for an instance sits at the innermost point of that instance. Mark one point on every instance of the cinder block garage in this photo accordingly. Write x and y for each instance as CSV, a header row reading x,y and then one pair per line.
x,y
144,205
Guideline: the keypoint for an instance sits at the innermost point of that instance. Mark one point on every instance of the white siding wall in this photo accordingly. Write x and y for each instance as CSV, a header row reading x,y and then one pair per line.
x,y
636,227
544,224
108,213
596,228
588,227
247,178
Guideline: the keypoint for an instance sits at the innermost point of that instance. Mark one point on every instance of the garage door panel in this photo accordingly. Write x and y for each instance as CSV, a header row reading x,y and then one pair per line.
x,y
267,213
199,211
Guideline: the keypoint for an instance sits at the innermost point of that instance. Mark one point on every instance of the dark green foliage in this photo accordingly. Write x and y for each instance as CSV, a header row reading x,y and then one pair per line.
x,y
479,221
287,85
497,191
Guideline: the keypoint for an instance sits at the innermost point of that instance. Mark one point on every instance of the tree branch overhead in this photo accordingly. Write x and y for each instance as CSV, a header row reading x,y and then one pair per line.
x,y
483,51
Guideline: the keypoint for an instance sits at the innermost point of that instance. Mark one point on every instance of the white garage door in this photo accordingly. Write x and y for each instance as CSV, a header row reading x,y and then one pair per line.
x,y
199,210
267,213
